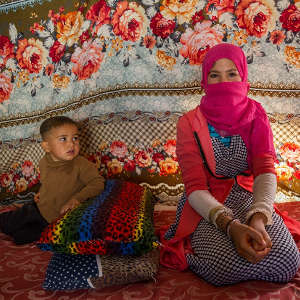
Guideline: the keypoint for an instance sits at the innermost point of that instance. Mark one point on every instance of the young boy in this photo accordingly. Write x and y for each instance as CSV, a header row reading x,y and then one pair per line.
x,y
66,180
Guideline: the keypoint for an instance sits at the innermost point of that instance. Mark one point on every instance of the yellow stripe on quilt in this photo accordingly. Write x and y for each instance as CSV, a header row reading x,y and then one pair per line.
x,y
139,226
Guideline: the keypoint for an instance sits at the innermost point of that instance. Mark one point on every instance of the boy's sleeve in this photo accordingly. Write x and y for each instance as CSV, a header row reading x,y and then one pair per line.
x,y
93,181
42,167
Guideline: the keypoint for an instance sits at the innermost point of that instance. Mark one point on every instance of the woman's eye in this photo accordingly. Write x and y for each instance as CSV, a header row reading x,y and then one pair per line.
x,y
62,139
75,138
213,75
233,74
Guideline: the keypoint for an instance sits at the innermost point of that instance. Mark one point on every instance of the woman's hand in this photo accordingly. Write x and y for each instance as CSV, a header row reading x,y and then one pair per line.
x,y
249,242
258,221
72,203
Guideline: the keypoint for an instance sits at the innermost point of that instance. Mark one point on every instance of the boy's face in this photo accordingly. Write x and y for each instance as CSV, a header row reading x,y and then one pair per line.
x,y
62,142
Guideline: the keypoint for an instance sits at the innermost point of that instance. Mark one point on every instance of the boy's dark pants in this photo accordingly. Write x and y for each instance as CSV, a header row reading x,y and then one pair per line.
x,y
24,224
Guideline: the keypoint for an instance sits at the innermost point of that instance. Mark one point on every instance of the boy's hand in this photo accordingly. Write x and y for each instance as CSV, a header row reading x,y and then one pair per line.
x,y
36,197
72,203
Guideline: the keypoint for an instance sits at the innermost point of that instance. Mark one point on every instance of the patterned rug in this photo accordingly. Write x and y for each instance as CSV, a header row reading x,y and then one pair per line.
x,y
23,268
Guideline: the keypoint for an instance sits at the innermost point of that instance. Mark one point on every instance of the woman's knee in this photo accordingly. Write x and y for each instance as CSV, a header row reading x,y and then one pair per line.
x,y
282,265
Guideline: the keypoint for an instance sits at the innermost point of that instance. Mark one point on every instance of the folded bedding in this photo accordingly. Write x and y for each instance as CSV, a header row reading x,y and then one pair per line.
x,y
119,221
73,272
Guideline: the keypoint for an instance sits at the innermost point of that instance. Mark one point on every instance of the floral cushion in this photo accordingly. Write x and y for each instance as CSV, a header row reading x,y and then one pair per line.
x,y
155,166
118,221
138,147
288,167
21,177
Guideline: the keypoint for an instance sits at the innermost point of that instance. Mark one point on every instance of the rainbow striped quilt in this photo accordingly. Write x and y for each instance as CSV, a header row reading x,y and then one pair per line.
x,y
118,221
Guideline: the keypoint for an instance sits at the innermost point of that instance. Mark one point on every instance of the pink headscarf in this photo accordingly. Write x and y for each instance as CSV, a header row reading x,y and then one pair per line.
x,y
228,109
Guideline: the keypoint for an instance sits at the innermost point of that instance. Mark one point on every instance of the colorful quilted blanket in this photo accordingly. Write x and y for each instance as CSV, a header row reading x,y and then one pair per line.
x,y
118,221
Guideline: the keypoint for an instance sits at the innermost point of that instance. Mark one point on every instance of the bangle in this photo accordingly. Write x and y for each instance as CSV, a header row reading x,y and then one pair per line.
x,y
216,215
221,211
214,212
229,224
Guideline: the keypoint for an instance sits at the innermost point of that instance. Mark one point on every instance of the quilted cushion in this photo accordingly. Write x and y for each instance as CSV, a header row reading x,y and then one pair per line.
x,y
71,272
118,221
117,270
137,147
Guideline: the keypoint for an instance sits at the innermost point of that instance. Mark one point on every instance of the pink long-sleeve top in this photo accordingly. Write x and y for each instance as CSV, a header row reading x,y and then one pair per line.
x,y
195,176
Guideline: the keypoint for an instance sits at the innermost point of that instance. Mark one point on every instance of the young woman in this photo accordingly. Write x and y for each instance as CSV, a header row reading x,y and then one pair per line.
x,y
225,150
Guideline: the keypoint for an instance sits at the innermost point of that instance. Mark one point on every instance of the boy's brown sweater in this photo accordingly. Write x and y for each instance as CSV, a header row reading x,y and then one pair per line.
x,y
63,180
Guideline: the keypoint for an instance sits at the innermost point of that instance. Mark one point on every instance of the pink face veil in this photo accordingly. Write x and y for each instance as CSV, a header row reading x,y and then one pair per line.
x,y
227,107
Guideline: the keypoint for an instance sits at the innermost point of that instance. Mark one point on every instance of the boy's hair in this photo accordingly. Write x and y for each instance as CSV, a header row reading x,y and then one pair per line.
x,y
54,122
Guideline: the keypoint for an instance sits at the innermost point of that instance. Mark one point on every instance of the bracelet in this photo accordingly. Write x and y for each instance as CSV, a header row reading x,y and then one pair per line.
x,y
216,215
221,210
232,221
222,221
213,212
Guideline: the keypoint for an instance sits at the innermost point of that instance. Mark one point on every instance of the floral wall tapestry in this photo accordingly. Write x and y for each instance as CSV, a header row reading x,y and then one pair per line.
x,y
85,58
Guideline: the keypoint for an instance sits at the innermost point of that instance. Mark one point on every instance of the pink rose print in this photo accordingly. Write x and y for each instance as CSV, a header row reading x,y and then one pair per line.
x,y
5,87
161,26
129,21
87,60
27,168
257,17
142,159
57,51
31,55
170,147
197,42
118,149
6,50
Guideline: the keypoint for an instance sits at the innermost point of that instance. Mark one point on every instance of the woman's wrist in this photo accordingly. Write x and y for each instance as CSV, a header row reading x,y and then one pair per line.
x,y
230,225
258,217
223,221
215,213
220,215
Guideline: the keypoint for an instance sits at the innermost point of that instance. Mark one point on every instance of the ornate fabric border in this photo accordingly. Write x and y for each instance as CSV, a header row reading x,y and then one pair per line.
x,y
159,116
101,95
9,5
148,90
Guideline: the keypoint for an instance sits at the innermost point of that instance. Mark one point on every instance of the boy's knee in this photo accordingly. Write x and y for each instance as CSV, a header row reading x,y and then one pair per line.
x,y
26,235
